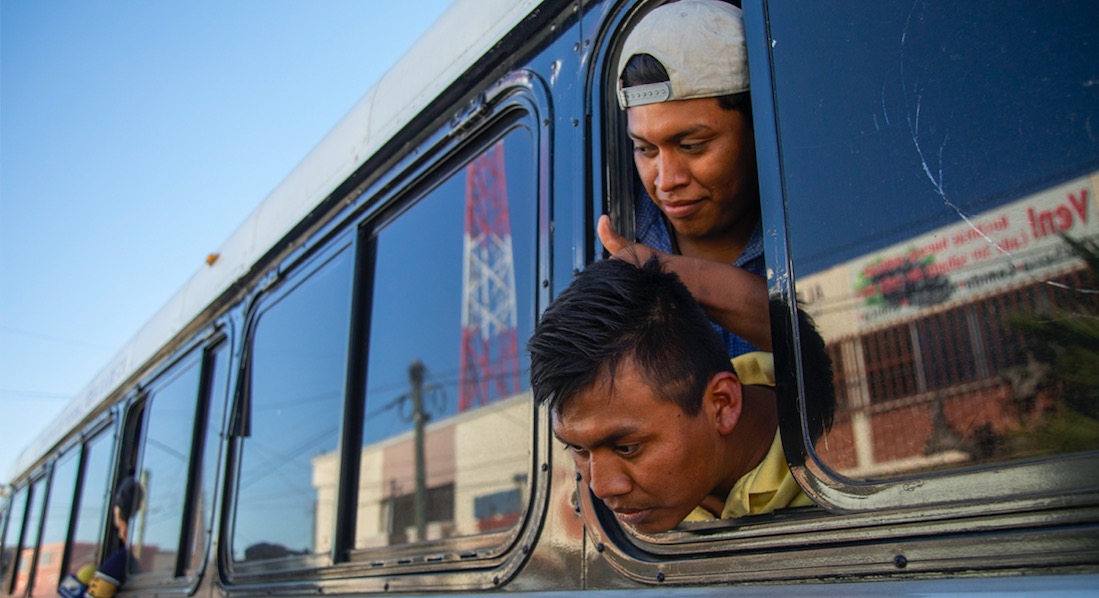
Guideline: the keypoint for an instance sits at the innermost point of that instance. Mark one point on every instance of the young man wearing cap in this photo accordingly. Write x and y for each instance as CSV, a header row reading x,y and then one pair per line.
x,y
683,81
660,426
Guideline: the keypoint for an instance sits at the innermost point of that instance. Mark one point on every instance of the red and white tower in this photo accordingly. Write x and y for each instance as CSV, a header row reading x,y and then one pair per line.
x,y
490,352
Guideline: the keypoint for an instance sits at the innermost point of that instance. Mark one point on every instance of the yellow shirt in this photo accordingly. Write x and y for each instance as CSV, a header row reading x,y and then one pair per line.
x,y
769,485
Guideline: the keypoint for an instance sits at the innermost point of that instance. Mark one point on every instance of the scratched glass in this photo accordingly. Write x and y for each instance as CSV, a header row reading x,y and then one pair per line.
x,y
936,157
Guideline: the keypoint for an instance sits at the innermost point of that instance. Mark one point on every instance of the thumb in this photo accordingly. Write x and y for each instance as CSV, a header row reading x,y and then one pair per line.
x,y
612,241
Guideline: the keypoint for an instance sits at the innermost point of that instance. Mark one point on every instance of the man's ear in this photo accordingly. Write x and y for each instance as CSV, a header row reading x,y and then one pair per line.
x,y
725,395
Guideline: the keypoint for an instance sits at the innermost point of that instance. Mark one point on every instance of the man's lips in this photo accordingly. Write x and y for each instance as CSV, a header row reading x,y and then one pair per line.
x,y
680,208
632,516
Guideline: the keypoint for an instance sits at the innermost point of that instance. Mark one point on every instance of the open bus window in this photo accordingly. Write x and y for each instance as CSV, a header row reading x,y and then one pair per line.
x,y
163,469
93,501
934,156
675,150
215,375
447,429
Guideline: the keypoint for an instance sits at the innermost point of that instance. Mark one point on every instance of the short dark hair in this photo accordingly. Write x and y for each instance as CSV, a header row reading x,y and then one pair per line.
x,y
643,69
128,497
816,371
615,311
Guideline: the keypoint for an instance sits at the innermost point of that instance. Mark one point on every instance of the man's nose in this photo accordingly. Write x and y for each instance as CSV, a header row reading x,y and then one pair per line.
x,y
671,172
607,479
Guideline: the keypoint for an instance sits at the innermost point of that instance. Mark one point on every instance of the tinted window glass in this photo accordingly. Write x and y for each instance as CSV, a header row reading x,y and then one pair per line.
x,y
165,458
30,537
12,536
217,372
299,358
91,515
56,525
447,430
933,154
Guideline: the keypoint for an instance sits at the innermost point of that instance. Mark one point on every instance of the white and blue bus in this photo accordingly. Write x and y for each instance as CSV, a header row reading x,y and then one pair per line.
x,y
339,403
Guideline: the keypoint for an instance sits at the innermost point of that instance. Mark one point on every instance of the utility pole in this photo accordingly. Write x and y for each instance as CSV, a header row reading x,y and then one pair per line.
x,y
419,419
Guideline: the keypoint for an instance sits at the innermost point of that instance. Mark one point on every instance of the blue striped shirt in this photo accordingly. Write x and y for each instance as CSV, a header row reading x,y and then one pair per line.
x,y
652,231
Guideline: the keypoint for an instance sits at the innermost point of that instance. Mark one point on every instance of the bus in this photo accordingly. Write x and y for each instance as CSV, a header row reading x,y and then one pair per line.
x,y
339,403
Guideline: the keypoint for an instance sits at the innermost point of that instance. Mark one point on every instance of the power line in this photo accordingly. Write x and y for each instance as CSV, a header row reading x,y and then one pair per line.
x,y
56,339
31,394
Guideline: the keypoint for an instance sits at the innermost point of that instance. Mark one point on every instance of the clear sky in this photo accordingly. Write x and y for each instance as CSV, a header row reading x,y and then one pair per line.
x,y
134,138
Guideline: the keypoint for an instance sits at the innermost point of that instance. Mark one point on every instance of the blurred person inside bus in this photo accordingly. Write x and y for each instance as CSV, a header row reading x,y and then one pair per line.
x,y
683,82
110,576
662,425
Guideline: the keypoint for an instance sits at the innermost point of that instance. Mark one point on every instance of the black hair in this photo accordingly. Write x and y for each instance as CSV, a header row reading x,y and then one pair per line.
x,y
642,69
615,311
128,497
816,370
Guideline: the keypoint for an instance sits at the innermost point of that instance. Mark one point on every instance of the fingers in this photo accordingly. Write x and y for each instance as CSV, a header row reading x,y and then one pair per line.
x,y
612,241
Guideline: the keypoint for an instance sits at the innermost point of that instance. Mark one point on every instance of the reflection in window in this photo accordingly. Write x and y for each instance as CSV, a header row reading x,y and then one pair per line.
x,y
165,460
298,365
951,145
447,430
217,372
56,524
91,515
12,536
30,537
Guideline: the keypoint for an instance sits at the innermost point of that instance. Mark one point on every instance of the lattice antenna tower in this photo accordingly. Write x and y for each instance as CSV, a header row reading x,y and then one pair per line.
x,y
490,353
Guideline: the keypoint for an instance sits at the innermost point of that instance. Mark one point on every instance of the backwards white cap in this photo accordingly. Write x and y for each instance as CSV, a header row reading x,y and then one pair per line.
x,y
701,45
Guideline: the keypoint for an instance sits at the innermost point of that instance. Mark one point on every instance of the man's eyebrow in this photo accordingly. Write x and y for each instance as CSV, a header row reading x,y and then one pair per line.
x,y
691,130
608,439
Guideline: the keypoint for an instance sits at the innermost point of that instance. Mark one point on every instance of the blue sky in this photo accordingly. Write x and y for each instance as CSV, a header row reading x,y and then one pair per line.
x,y
134,138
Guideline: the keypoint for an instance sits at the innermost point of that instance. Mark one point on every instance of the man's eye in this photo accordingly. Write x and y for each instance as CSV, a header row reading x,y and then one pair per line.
x,y
578,451
627,449
644,150
691,148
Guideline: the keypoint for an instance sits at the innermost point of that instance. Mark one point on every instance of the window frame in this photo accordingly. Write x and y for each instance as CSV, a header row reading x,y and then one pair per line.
x,y
830,540
519,99
74,453
502,121
134,417
27,495
1041,478
279,285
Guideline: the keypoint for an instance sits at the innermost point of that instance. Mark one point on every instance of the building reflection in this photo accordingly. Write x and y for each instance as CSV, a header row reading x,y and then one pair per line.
x,y
475,479
932,368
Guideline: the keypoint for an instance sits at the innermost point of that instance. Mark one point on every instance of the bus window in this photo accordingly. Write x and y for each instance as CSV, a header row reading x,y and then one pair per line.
x,y
295,400
55,527
9,561
93,502
937,160
447,430
164,461
24,567
216,371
